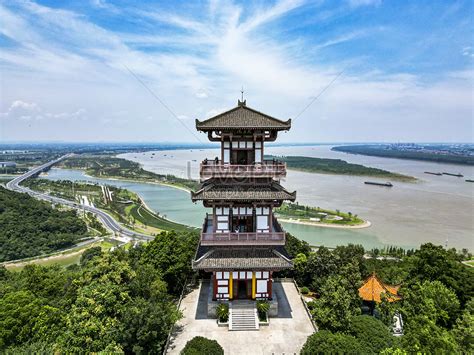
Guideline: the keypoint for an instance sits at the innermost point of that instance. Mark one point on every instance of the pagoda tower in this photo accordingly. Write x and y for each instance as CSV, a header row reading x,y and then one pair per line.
x,y
241,242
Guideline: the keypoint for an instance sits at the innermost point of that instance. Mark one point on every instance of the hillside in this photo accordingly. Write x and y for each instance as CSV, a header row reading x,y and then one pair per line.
x,y
30,227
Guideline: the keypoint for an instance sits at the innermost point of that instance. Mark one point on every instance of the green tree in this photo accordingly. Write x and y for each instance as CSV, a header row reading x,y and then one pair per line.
x,y
325,342
301,275
144,325
422,335
295,246
89,253
25,317
334,309
432,300
321,264
200,345
463,332
351,280
93,323
434,263
171,254
371,332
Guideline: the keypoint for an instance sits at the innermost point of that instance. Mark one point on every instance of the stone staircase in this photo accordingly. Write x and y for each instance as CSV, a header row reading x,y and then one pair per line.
x,y
243,315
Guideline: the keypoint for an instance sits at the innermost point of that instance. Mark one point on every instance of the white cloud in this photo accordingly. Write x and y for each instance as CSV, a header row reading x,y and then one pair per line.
x,y
357,3
63,61
26,111
202,95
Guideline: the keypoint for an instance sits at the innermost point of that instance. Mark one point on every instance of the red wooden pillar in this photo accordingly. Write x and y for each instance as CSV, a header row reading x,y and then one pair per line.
x,y
214,288
269,287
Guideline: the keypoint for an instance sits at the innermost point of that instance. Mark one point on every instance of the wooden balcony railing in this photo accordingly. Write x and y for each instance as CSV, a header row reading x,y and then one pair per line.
x,y
269,168
269,238
276,237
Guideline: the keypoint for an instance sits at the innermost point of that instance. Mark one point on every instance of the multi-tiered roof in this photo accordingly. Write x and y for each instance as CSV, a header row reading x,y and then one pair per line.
x,y
242,183
242,118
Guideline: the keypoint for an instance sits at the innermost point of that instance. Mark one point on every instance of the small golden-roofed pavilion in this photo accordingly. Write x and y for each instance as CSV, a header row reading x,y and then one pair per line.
x,y
373,288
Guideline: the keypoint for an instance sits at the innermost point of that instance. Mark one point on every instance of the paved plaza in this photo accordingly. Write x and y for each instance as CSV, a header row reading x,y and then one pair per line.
x,y
285,334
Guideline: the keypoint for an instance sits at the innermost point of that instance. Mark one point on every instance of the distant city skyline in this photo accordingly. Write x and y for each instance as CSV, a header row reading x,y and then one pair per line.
x,y
88,71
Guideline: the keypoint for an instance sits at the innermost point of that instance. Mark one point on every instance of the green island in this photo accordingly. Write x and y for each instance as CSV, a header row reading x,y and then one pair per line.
x,y
338,167
122,204
390,151
107,166
316,215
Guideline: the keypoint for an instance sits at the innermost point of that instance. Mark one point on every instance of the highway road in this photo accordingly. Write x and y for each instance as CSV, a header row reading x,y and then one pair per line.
x,y
104,217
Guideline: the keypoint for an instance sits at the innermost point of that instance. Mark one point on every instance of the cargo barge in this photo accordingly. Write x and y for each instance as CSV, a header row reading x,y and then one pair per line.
x,y
469,180
456,175
386,184
431,173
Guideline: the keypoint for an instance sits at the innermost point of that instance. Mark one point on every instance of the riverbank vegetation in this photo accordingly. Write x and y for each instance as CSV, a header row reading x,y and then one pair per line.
x,y
389,151
436,303
317,215
107,166
29,227
123,204
338,167
120,302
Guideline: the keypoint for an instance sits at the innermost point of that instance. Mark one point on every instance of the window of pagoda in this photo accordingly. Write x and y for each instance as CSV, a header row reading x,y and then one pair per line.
x,y
242,150
243,219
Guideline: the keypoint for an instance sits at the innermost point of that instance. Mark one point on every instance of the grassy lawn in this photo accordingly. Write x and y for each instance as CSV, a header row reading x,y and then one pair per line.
x,y
65,259
150,219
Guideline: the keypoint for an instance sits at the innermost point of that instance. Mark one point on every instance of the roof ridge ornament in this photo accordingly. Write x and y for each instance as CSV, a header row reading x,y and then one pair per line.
x,y
242,102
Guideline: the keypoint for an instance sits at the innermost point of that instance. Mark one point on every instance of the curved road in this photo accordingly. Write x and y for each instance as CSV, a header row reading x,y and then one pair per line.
x,y
104,217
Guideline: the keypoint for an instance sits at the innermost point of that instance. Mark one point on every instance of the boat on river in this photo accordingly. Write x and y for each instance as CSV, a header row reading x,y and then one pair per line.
x,y
456,175
431,173
469,180
386,184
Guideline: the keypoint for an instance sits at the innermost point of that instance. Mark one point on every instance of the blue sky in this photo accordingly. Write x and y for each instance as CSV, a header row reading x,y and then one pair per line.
x,y
407,68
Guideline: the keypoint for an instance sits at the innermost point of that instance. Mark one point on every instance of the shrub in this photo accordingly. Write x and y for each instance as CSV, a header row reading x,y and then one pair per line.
x,y
201,345
325,342
372,333
262,309
304,290
222,312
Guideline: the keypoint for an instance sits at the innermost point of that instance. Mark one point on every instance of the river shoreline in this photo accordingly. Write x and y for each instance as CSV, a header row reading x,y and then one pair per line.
x,y
182,188
366,224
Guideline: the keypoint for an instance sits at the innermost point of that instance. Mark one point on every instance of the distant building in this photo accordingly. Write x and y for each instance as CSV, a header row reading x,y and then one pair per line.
x,y
373,289
7,164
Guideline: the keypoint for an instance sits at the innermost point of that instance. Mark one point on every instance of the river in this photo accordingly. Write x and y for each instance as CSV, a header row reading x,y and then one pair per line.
x,y
439,209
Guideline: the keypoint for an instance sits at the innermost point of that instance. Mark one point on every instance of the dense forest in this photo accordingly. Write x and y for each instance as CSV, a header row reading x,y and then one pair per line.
x,y
109,166
113,301
337,166
385,151
30,227
437,302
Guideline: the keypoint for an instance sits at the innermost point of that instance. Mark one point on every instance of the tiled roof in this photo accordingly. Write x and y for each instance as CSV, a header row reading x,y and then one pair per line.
x,y
243,117
241,258
220,190
373,288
